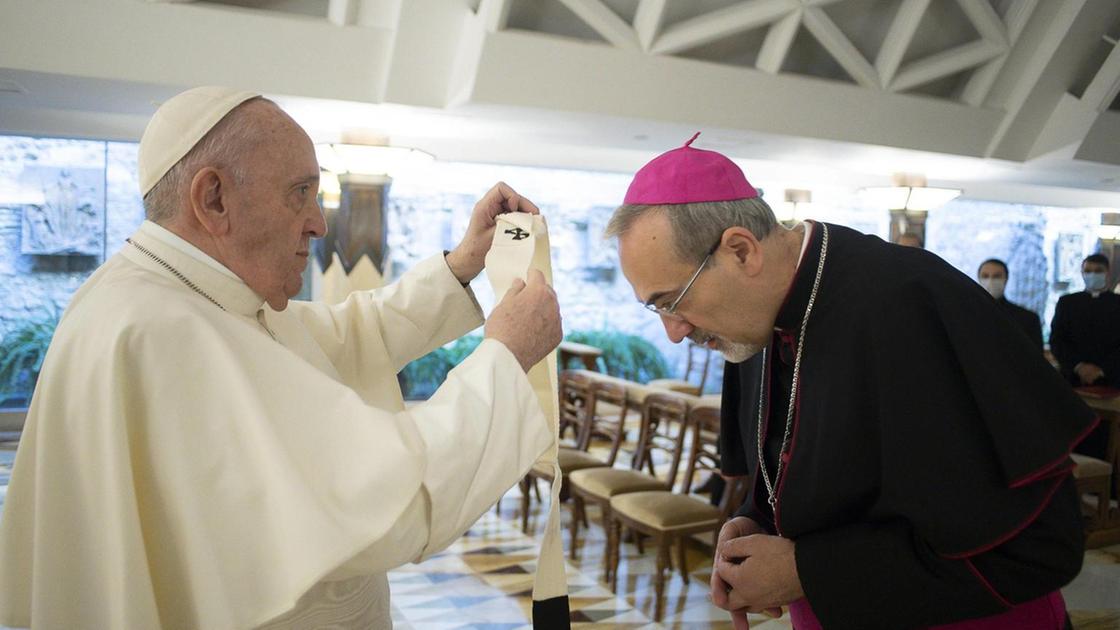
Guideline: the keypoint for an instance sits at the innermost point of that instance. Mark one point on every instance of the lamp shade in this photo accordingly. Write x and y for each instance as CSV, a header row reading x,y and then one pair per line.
x,y
364,159
1109,229
909,192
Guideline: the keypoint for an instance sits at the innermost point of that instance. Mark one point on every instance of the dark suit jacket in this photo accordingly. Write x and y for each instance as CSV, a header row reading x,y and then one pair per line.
x,y
1026,319
1087,329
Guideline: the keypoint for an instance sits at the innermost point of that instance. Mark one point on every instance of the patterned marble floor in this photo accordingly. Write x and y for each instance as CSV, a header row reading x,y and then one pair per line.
x,y
484,581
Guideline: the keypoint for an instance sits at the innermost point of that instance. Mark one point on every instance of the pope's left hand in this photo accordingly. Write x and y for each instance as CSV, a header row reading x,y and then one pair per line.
x,y
761,571
469,256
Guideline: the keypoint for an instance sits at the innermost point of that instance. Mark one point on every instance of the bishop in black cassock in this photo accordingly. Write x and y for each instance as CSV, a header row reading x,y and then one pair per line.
x,y
927,476
906,449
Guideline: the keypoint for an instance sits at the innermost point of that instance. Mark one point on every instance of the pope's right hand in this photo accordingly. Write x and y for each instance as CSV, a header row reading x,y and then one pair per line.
x,y
527,320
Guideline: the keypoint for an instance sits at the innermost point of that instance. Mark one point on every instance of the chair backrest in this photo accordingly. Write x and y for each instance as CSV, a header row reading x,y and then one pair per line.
x,y
703,455
575,401
614,427
699,362
664,425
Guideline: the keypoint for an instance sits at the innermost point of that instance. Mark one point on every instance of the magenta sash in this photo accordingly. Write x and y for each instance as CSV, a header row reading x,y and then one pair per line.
x,y
1045,613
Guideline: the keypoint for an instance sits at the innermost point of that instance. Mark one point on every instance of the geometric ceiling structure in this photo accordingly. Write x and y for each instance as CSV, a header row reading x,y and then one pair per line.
x,y
1012,79
772,26
1019,91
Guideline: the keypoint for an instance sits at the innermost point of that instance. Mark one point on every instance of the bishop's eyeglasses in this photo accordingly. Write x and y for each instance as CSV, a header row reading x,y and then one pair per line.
x,y
670,311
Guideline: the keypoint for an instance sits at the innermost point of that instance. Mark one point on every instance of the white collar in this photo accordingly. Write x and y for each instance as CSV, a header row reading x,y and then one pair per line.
x,y
168,237
209,278
804,242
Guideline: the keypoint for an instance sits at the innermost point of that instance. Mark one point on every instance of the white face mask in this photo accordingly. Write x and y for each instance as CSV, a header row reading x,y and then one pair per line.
x,y
1094,280
994,286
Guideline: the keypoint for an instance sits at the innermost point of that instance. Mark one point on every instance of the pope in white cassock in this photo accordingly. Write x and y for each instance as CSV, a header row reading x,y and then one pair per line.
x,y
202,453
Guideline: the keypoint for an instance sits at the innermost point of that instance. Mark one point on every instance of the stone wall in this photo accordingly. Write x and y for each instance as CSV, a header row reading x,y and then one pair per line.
x,y
429,211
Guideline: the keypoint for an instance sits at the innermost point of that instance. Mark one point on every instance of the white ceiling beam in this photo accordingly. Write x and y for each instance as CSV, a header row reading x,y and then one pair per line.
x,y
898,38
343,12
986,20
1029,72
664,88
981,81
494,14
945,64
1100,143
709,27
647,21
1017,16
778,41
837,44
605,22
1105,85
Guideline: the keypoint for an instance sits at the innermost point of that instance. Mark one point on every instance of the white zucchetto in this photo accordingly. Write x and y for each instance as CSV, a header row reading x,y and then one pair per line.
x,y
178,125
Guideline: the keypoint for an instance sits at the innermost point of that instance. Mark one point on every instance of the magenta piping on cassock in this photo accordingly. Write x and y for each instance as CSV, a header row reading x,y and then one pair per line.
x,y
987,585
1014,532
1046,470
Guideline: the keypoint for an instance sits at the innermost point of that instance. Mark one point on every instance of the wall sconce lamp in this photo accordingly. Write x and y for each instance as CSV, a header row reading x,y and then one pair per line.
x,y
796,203
910,193
367,163
1109,229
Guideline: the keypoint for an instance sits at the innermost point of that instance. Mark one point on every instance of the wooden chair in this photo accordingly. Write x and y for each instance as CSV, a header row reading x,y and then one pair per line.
x,y
664,420
1094,477
667,516
577,412
574,390
699,357
611,408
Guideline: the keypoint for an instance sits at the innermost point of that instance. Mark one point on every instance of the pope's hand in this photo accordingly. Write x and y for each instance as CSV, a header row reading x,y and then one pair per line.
x,y
527,320
469,256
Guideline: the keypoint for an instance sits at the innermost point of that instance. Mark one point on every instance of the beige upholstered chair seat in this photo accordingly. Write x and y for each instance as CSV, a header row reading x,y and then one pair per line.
x,y
710,400
665,510
1090,467
570,460
604,483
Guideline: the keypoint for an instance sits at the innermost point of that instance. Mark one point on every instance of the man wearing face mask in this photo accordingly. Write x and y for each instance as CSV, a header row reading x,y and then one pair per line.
x,y
1085,339
1085,333
993,275
906,448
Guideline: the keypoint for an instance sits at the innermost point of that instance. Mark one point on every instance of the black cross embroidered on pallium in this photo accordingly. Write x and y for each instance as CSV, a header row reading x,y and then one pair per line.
x,y
517,233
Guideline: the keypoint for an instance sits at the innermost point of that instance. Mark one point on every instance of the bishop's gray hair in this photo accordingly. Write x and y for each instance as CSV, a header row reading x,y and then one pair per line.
x,y
697,227
224,146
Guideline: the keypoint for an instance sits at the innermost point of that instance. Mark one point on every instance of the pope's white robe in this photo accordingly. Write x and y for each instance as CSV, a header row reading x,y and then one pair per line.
x,y
185,467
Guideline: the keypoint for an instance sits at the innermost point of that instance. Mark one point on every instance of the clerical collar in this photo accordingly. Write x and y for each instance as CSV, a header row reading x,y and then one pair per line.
x,y
797,296
210,277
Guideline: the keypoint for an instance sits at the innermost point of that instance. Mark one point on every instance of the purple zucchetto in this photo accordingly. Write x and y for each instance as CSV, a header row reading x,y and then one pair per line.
x,y
688,175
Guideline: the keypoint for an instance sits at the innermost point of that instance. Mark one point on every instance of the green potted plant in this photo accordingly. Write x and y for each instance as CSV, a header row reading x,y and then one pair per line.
x,y
626,356
21,357
422,377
